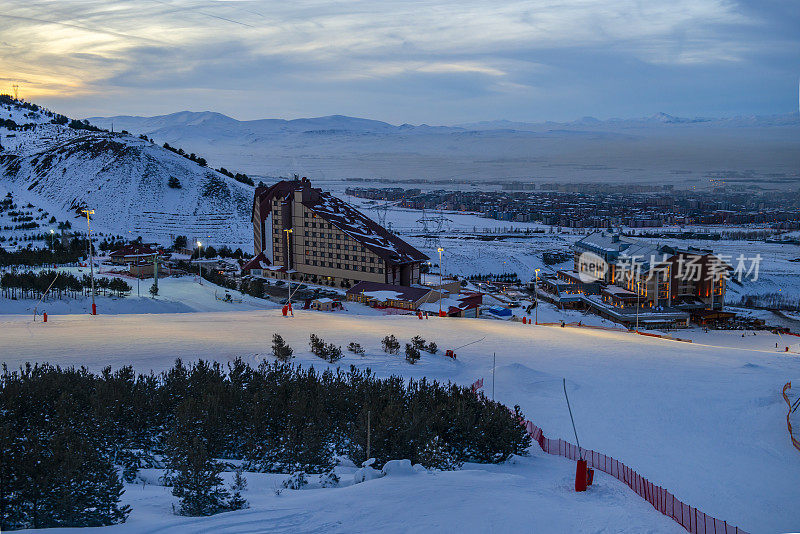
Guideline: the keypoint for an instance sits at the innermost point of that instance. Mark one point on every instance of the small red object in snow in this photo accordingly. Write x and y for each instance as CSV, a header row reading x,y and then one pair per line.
x,y
94,309
285,310
450,354
44,316
581,476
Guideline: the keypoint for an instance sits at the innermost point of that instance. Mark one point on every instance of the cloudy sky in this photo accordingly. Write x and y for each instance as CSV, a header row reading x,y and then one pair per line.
x,y
439,62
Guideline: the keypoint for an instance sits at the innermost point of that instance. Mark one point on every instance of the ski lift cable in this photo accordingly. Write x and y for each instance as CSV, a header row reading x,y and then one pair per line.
x,y
470,343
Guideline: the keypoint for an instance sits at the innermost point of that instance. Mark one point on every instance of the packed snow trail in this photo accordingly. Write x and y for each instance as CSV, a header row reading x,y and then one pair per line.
x,y
706,423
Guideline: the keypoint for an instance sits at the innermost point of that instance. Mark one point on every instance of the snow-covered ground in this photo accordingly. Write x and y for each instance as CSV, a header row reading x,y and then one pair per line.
x,y
530,495
705,420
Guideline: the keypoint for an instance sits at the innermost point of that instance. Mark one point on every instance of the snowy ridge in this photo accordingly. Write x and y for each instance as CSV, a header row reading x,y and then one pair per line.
x,y
125,180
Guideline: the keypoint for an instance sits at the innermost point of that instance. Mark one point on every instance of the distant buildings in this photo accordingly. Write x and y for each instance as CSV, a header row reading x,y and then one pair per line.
x,y
604,206
662,275
636,282
445,299
302,232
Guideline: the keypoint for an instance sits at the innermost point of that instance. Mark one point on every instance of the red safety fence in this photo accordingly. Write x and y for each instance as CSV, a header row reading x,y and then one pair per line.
x,y
617,329
786,388
689,517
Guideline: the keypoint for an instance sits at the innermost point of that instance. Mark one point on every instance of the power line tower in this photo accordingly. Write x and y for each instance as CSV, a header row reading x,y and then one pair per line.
x,y
380,211
432,227
15,87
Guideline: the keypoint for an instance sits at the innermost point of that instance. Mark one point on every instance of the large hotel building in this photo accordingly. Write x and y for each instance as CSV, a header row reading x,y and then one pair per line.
x,y
301,232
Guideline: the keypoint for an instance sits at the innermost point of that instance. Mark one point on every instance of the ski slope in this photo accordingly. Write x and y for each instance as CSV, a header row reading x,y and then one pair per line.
x,y
705,421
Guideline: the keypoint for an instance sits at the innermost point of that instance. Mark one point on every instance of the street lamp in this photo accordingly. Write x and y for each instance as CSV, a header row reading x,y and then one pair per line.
x,y
441,279
288,267
89,212
638,292
536,296
52,232
199,262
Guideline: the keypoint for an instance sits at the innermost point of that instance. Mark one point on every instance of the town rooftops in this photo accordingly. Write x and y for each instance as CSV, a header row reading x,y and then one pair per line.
x,y
343,216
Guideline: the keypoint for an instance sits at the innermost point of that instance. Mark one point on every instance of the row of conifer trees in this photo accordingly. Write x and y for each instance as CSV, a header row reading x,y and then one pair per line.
x,y
30,284
66,434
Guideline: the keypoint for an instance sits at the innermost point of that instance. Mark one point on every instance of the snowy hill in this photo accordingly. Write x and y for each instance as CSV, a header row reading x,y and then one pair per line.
x,y
125,179
662,147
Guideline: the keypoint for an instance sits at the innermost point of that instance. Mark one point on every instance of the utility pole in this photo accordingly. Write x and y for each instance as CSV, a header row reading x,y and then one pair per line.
x,y
155,270
441,279
199,264
494,365
638,292
369,417
288,267
536,297
89,212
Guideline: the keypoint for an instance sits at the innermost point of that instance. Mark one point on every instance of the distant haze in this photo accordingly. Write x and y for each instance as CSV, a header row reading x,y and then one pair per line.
x,y
687,152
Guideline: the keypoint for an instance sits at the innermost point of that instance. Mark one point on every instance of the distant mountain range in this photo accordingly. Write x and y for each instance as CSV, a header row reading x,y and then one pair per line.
x,y
187,120
661,147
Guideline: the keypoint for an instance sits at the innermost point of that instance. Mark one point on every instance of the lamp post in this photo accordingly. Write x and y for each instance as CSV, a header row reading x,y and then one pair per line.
x,y
89,212
536,296
441,279
52,235
288,267
638,292
199,262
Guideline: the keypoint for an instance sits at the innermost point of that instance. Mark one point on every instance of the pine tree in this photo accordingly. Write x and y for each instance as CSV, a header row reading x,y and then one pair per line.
x,y
412,354
198,482
355,348
237,502
390,344
280,349
436,455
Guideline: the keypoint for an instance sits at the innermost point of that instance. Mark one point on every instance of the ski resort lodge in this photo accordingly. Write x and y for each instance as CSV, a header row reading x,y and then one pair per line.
x,y
301,232
635,282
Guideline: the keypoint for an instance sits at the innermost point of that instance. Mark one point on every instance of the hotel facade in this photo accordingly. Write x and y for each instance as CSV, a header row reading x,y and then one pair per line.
x,y
303,233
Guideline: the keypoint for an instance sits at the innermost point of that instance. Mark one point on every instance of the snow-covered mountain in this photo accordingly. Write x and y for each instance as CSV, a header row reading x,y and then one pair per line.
x,y
125,179
658,148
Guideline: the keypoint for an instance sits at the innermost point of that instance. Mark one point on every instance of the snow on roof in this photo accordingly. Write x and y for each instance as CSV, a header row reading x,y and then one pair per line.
x,y
323,300
603,242
383,292
618,291
364,230
259,262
